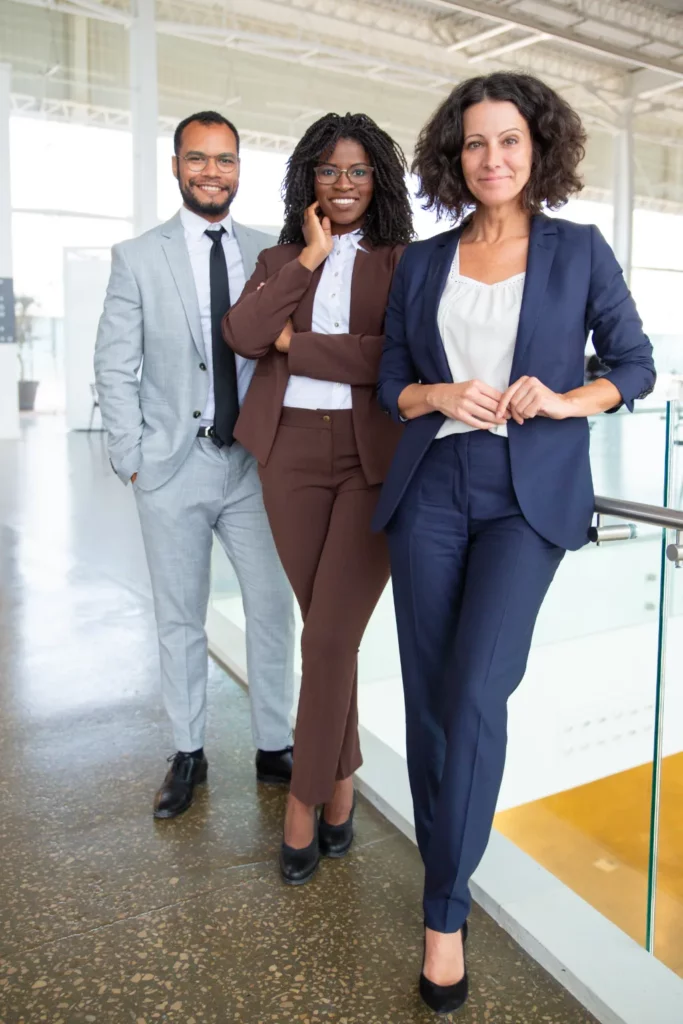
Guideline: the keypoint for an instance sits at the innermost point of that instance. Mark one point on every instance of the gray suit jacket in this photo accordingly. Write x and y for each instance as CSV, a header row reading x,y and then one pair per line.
x,y
151,320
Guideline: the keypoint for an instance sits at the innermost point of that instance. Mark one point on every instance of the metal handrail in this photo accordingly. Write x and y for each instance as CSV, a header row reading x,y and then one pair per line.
x,y
653,515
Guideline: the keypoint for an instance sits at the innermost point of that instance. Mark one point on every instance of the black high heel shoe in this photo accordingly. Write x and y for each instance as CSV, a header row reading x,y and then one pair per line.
x,y
335,840
297,866
446,998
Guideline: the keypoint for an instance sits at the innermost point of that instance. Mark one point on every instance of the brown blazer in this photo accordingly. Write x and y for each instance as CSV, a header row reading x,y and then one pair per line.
x,y
255,322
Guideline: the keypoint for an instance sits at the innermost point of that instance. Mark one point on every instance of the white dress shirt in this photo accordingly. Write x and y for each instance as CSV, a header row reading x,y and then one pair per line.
x,y
478,324
199,248
331,313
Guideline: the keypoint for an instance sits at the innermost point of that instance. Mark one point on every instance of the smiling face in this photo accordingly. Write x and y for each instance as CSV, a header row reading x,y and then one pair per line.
x,y
497,152
210,190
345,201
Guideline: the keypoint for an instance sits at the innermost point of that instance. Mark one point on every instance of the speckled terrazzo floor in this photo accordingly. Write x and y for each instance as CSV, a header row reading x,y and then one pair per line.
x,y
107,916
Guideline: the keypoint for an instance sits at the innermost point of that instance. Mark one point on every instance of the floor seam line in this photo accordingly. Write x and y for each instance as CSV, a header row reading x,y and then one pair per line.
x,y
133,917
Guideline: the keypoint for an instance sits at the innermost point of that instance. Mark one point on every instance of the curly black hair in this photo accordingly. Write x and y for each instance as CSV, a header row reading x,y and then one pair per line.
x,y
389,219
557,135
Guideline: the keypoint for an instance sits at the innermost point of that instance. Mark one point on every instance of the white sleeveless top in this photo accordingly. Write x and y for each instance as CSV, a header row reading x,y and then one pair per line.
x,y
478,324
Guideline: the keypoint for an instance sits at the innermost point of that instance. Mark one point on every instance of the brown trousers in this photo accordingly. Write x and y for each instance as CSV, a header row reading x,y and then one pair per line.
x,y
320,507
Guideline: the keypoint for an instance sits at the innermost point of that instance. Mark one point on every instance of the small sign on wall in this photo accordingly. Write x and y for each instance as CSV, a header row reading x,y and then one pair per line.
x,y
6,310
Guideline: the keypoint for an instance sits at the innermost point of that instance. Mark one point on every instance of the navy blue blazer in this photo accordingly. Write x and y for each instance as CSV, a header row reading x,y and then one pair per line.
x,y
573,285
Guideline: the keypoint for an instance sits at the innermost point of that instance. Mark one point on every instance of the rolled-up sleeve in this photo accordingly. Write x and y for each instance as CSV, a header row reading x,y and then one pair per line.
x,y
618,335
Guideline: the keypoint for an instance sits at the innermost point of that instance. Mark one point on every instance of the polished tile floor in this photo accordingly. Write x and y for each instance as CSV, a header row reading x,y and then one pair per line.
x,y
107,916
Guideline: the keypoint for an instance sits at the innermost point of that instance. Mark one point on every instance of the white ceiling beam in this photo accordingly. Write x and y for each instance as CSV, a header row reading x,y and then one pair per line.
x,y
480,37
653,23
299,51
507,16
426,63
109,117
518,44
662,89
100,12
406,34
512,16
646,84
424,60
99,9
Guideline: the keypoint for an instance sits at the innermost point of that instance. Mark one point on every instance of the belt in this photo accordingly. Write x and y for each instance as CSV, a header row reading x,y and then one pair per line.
x,y
206,432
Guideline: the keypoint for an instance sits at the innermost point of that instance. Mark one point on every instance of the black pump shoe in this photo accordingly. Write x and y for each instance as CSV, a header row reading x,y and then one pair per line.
x,y
446,998
335,840
298,866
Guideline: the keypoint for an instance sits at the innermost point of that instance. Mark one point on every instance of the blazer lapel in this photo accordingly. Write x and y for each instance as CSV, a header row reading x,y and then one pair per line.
x,y
437,275
175,249
303,314
363,288
542,246
248,246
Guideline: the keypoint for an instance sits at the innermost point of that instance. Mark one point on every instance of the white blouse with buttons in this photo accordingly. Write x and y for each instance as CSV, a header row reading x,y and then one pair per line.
x,y
478,324
331,313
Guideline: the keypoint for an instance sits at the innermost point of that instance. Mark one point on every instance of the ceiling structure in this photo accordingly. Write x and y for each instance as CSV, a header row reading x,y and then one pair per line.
x,y
273,66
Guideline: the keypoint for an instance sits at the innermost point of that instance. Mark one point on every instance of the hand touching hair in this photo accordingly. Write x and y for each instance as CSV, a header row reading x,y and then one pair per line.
x,y
389,218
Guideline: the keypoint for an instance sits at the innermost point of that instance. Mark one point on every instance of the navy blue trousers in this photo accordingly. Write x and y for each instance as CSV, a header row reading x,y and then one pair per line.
x,y
469,576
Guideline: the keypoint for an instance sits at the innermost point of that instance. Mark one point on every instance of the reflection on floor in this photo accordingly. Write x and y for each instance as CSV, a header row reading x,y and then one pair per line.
x,y
109,917
595,838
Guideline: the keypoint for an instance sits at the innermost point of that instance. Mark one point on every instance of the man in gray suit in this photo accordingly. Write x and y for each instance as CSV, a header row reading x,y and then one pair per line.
x,y
169,391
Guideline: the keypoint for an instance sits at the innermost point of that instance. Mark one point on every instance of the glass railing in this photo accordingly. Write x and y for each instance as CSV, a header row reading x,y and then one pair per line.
x,y
666,875
593,788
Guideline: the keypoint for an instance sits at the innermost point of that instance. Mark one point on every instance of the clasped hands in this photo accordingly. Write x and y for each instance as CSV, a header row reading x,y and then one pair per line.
x,y
481,406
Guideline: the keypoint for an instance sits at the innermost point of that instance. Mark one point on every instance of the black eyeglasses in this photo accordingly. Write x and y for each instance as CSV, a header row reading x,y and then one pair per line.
x,y
329,174
225,162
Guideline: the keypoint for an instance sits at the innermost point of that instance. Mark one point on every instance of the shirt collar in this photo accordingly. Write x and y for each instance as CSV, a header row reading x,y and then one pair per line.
x,y
352,239
195,226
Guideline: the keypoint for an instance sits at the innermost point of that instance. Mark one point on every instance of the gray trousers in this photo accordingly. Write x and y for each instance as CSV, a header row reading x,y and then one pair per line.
x,y
217,491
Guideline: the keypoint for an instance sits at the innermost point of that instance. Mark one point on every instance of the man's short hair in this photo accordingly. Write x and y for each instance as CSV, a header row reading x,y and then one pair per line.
x,y
204,117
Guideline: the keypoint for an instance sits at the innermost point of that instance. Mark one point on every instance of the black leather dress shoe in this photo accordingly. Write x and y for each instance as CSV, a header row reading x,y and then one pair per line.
x,y
297,866
177,790
335,840
274,766
446,998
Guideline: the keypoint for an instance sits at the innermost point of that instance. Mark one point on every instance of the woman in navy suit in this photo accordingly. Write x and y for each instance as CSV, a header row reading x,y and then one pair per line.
x,y
484,356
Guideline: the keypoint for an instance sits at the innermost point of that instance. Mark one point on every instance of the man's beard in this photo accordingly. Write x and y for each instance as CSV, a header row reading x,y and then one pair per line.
x,y
210,205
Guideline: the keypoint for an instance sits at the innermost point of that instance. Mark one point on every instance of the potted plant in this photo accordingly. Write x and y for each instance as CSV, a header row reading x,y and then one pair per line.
x,y
23,333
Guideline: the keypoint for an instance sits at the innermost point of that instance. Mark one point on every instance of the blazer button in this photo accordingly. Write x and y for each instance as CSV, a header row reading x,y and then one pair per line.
x,y
202,366
196,414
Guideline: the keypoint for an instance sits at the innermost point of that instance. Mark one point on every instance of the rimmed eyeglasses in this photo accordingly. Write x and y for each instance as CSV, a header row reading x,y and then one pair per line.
x,y
357,174
225,162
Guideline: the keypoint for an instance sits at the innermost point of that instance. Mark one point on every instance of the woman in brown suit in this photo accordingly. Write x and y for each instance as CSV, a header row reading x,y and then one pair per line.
x,y
313,316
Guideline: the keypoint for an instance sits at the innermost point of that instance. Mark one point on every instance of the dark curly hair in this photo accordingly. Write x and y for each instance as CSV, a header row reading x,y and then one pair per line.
x,y
205,117
389,218
557,136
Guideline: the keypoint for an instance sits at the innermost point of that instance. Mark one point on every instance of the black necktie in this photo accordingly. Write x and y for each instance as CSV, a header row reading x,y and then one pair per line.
x,y
224,369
